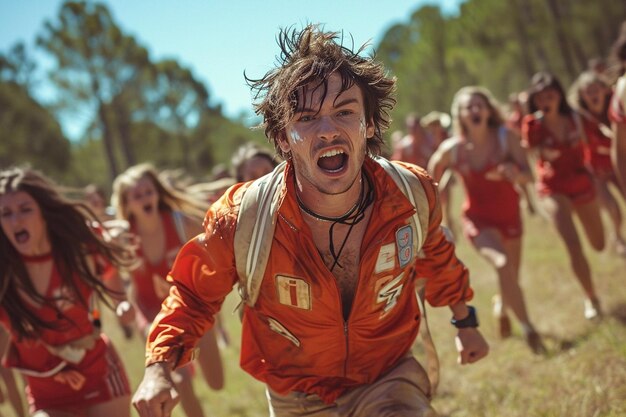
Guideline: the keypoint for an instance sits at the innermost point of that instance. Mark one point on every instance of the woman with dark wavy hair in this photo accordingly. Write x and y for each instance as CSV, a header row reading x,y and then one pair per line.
x,y
52,260
554,133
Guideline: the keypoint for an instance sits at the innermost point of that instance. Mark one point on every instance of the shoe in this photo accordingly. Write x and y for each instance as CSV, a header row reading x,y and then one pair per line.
x,y
504,323
592,309
620,248
533,340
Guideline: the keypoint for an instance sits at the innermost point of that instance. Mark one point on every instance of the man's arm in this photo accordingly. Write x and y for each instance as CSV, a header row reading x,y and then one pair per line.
x,y
202,276
156,395
470,343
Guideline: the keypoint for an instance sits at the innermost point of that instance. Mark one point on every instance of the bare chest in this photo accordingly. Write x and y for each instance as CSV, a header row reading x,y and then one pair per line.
x,y
342,258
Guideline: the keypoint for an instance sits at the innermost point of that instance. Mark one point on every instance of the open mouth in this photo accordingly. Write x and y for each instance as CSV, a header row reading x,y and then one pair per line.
x,y
476,120
22,236
333,160
147,208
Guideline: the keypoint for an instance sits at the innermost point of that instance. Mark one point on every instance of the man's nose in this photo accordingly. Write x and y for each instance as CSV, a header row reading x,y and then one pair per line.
x,y
327,128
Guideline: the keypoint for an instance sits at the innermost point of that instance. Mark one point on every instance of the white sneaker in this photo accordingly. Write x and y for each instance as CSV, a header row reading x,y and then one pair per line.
x,y
592,309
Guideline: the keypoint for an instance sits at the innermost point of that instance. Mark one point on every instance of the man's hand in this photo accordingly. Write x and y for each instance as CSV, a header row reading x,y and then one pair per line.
x,y
471,345
156,395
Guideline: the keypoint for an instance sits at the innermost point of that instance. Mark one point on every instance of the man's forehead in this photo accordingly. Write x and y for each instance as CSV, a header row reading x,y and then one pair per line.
x,y
333,88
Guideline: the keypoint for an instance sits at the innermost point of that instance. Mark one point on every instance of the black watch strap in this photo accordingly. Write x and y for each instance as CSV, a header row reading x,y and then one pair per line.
x,y
470,321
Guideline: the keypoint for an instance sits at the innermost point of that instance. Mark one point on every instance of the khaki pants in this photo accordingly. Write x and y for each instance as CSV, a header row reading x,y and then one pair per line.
x,y
402,392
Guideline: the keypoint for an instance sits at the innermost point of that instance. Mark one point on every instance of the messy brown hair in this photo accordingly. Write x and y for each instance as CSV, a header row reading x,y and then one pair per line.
x,y
74,239
308,58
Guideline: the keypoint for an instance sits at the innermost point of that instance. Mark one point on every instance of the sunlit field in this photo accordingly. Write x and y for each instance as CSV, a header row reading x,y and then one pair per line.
x,y
583,374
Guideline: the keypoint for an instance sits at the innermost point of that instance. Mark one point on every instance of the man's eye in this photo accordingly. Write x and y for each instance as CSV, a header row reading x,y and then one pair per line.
x,y
305,118
344,113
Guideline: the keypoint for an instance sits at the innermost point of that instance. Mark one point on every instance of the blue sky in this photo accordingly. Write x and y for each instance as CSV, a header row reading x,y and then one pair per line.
x,y
219,39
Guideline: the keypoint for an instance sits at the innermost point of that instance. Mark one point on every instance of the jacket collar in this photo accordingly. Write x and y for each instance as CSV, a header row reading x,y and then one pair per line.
x,y
389,201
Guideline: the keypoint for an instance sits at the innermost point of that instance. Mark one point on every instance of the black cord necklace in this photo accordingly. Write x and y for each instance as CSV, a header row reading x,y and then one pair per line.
x,y
330,218
351,218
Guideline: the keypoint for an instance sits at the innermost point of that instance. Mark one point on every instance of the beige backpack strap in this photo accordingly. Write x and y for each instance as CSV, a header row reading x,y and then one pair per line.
x,y
413,189
256,223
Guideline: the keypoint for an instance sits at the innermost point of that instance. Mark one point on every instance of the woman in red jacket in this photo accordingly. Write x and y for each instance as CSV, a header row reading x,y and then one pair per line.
x,y
51,263
552,132
590,96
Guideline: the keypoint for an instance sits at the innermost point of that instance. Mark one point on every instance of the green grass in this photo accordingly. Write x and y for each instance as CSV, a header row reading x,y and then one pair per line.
x,y
583,375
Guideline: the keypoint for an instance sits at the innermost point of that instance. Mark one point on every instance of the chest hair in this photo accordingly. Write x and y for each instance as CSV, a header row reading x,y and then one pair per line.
x,y
346,271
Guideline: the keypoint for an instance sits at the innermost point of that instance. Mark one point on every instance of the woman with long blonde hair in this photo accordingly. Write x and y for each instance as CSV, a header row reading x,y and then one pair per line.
x,y
162,219
492,165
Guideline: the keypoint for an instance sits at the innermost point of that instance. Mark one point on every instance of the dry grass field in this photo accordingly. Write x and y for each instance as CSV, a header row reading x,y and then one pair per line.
x,y
583,374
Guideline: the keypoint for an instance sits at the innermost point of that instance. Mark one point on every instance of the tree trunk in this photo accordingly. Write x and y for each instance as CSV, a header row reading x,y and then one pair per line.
x,y
561,38
523,38
107,140
184,148
440,60
123,128
530,21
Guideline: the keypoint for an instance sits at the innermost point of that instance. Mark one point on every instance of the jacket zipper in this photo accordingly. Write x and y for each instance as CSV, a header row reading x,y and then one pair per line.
x,y
345,322
345,334
345,329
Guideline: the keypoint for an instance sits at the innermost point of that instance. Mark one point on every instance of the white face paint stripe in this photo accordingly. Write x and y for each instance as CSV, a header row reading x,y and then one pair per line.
x,y
295,136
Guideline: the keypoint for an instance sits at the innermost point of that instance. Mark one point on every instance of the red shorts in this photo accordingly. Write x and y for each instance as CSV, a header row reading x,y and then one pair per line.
x,y
509,230
98,378
579,189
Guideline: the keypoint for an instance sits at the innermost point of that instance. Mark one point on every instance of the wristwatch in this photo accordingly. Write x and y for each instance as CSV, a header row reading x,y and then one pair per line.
x,y
470,321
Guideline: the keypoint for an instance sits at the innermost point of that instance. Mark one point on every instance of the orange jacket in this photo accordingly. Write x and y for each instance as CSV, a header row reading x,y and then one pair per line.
x,y
295,337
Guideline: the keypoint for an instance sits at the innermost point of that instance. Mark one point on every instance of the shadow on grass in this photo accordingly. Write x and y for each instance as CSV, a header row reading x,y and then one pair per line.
x,y
618,312
557,344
